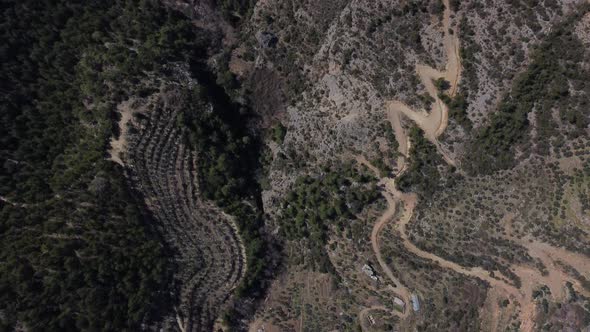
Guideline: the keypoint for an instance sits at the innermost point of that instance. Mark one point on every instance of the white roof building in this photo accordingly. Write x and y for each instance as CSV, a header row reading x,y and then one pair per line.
x,y
415,302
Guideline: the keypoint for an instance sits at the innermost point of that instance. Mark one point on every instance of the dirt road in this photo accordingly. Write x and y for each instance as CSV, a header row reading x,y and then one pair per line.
x,y
434,121
531,278
397,286
433,124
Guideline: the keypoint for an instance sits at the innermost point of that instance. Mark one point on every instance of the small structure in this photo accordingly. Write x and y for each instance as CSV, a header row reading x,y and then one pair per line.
x,y
415,302
368,269
399,303
371,320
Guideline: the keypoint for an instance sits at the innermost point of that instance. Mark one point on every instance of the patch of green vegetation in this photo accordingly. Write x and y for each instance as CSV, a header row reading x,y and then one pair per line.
x,y
423,175
78,255
455,4
316,203
278,133
225,77
458,109
377,23
436,7
382,166
554,63
227,160
427,99
441,84
469,48
457,105
383,159
390,137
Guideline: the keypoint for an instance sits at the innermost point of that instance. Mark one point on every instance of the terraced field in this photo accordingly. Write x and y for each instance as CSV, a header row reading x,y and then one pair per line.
x,y
209,255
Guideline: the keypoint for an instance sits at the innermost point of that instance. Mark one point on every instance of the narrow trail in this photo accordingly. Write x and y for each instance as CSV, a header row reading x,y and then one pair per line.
x,y
9,202
433,124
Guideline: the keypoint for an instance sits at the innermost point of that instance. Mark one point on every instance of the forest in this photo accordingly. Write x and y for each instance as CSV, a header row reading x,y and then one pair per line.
x,y
78,250
318,203
541,87
423,175
228,158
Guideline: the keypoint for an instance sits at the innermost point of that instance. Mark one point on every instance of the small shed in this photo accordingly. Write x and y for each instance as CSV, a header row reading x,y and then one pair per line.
x,y
415,302
399,303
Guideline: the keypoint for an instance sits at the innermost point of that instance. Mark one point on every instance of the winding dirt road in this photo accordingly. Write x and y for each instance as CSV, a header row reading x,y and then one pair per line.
x,y
531,278
397,286
433,124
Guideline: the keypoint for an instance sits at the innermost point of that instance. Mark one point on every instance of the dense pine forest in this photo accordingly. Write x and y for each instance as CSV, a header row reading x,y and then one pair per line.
x,y
78,251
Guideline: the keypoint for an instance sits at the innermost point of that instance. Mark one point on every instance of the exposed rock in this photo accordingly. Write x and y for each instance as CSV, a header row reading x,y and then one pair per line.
x,y
266,39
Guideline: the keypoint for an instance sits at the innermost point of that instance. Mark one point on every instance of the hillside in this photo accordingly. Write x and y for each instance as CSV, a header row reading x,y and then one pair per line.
x,y
269,165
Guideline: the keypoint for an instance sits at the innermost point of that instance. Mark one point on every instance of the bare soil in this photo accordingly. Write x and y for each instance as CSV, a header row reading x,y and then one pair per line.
x,y
119,145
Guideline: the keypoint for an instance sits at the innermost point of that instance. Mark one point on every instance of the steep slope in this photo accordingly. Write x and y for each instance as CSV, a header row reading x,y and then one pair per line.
x,y
78,250
390,165
122,203
209,255
362,61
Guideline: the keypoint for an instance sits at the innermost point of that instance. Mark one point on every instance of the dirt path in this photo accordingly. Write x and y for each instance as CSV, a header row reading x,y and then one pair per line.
x,y
531,278
434,121
433,124
409,201
397,286
393,196
387,216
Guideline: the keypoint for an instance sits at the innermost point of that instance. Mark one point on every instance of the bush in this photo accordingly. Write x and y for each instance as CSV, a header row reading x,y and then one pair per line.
x,y
318,202
279,132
